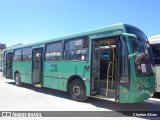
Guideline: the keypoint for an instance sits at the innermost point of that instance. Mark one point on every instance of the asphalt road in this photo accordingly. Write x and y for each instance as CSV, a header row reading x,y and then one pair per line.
x,y
29,98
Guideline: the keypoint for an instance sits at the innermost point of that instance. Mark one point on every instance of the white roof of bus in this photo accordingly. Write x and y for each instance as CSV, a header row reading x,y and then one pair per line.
x,y
154,39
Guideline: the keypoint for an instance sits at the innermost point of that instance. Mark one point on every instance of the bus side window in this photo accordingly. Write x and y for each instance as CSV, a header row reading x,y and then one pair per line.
x,y
54,52
134,45
76,49
156,51
17,55
27,54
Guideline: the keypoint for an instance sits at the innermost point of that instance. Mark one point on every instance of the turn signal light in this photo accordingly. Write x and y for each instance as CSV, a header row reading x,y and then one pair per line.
x,y
123,91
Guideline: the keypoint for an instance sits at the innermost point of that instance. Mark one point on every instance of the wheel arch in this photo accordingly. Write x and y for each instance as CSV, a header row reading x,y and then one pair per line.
x,y
72,78
16,73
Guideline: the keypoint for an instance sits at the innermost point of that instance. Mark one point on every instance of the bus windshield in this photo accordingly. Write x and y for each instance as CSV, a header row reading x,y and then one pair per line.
x,y
144,58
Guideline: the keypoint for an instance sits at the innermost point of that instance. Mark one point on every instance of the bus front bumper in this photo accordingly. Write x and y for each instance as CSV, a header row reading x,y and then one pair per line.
x,y
141,95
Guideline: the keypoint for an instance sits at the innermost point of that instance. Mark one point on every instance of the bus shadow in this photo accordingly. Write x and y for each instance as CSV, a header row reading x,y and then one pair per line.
x,y
122,108
44,90
128,109
156,95
148,105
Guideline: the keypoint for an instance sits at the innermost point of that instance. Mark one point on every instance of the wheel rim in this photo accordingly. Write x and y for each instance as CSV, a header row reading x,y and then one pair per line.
x,y
76,90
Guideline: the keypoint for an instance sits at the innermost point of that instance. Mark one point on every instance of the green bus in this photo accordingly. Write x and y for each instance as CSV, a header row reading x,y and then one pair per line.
x,y
113,63
155,44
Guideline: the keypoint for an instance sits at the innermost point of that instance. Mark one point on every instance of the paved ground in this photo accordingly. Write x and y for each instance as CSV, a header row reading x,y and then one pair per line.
x,y
29,98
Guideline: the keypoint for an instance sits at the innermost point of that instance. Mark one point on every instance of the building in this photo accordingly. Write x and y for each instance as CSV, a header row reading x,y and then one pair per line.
x,y
2,47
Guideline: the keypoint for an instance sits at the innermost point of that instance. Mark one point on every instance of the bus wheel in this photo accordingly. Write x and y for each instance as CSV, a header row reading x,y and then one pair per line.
x,y
77,90
18,79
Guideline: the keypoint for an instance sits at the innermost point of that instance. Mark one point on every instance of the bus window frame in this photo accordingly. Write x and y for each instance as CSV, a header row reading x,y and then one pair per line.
x,y
87,49
17,55
26,54
61,41
152,45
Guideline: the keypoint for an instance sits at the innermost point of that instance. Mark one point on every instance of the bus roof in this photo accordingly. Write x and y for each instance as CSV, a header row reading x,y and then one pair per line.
x,y
84,33
154,39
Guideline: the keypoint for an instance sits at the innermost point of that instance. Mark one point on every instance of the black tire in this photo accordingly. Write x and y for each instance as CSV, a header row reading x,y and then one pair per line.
x,y
77,90
17,79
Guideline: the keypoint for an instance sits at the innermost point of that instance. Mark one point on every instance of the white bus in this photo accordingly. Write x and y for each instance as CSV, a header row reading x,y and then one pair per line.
x,y
155,44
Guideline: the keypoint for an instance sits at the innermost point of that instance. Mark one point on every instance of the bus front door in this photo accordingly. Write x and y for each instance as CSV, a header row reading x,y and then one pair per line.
x,y
37,67
9,65
123,79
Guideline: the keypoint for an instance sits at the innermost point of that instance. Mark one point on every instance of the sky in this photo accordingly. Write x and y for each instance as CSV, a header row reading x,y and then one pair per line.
x,y
28,21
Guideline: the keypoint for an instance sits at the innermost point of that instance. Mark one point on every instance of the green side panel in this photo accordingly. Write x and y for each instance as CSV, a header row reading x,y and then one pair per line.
x,y
28,79
51,69
124,94
50,75
87,84
63,84
16,66
56,74
148,82
70,68
158,78
23,78
133,82
50,82
26,70
139,96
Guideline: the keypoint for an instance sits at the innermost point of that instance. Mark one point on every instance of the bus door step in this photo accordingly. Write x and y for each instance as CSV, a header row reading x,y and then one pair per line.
x,y
94,92
108,93
103,84
38,85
